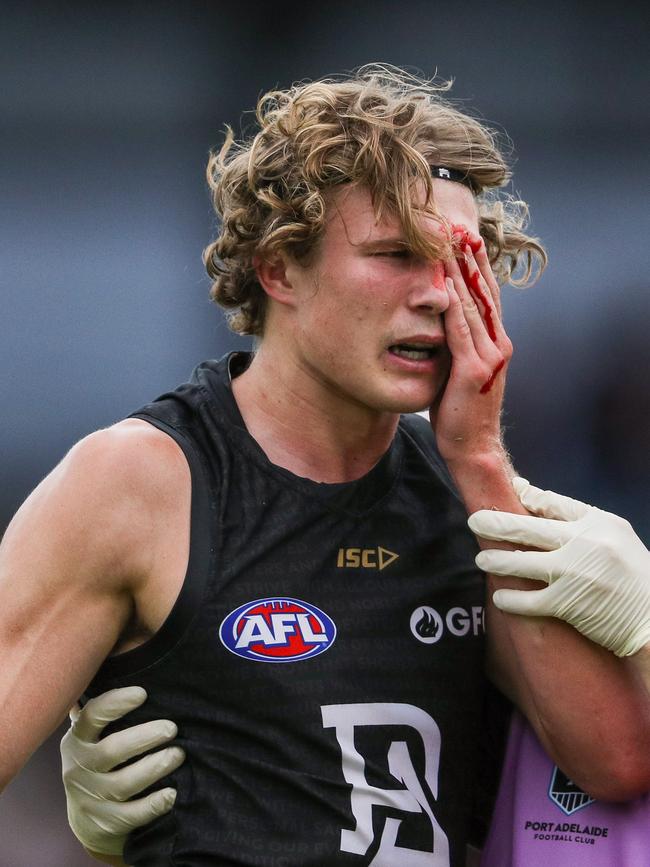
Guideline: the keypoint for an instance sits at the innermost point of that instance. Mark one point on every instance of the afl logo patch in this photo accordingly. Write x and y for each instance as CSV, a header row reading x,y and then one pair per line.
x,y
277,630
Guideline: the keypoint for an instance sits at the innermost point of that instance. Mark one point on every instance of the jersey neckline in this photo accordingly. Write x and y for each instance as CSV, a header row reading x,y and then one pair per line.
x,y
361,495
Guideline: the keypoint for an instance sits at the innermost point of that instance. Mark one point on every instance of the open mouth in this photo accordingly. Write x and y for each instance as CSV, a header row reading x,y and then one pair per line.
x,y
413,351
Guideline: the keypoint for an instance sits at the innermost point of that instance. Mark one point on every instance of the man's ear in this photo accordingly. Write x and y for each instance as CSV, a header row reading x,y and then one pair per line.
x,y
274,279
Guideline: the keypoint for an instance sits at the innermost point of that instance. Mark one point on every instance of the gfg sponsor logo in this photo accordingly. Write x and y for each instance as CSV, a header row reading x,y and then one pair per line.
x,y
428,625
277,630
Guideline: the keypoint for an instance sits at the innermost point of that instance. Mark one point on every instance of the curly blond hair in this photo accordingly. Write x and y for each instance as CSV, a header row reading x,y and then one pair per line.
x,y
381,127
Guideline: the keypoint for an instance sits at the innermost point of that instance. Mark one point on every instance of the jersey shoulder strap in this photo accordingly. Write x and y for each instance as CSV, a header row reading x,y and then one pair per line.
x,y
417,428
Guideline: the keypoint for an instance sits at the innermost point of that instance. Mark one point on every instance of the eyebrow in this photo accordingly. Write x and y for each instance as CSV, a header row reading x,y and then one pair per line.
x,y
396,241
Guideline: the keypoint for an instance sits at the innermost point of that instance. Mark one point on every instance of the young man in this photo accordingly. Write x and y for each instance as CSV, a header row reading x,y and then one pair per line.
x,y
597,576
280,560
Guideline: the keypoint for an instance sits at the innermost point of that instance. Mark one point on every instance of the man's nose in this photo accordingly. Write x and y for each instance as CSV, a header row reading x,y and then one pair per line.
x,y
428,290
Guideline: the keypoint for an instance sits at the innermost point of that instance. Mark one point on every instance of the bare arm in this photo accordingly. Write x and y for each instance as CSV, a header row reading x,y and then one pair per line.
x,y
592,569
557,677
71,565
561,680
640,665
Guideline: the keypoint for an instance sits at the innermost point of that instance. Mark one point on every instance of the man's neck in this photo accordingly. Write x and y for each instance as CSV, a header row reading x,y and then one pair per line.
x,y
306,427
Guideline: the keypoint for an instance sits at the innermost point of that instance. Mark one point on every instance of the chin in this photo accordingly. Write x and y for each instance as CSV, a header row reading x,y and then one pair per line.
x,y
404,404
419,408
399,397
413,396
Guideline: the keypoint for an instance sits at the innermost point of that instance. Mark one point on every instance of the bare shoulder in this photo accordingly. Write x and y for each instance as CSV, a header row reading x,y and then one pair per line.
x,y
138,478
105,499
130,463
129,450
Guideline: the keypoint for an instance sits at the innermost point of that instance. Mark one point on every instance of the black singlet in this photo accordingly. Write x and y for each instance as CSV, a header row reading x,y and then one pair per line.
x,y
324,658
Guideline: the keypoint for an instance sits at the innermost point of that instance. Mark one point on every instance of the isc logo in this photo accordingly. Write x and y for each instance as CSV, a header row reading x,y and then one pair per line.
x,y
366,558
277,630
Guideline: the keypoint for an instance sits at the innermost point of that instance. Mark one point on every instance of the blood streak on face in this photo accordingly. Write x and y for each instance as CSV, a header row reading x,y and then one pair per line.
x,y
473,278
464,238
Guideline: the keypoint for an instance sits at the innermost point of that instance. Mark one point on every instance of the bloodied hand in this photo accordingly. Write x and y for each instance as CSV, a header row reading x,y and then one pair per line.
x,y
466,417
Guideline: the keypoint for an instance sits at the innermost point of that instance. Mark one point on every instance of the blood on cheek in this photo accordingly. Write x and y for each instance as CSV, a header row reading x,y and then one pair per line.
x,y
464,238
473,278
473,282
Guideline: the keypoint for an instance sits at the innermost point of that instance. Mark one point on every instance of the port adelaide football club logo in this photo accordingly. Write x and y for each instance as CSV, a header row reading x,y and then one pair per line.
x,y
277,630
566,794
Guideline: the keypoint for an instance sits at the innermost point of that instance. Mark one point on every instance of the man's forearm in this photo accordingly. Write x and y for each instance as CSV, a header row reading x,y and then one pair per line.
x,y
639,663
556,676
485,482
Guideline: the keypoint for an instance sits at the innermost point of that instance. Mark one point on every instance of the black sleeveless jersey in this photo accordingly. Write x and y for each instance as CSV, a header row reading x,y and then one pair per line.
x,y
323,660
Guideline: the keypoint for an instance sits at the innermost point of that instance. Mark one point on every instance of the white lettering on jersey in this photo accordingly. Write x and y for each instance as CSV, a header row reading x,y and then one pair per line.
x,y
257,629
409,798
308,635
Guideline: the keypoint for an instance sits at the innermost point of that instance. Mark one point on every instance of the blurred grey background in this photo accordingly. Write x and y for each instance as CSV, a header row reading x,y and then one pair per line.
x,y
108,113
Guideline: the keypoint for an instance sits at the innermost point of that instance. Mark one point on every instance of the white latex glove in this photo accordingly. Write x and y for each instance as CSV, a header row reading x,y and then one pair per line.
x,y
596,567
99,812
